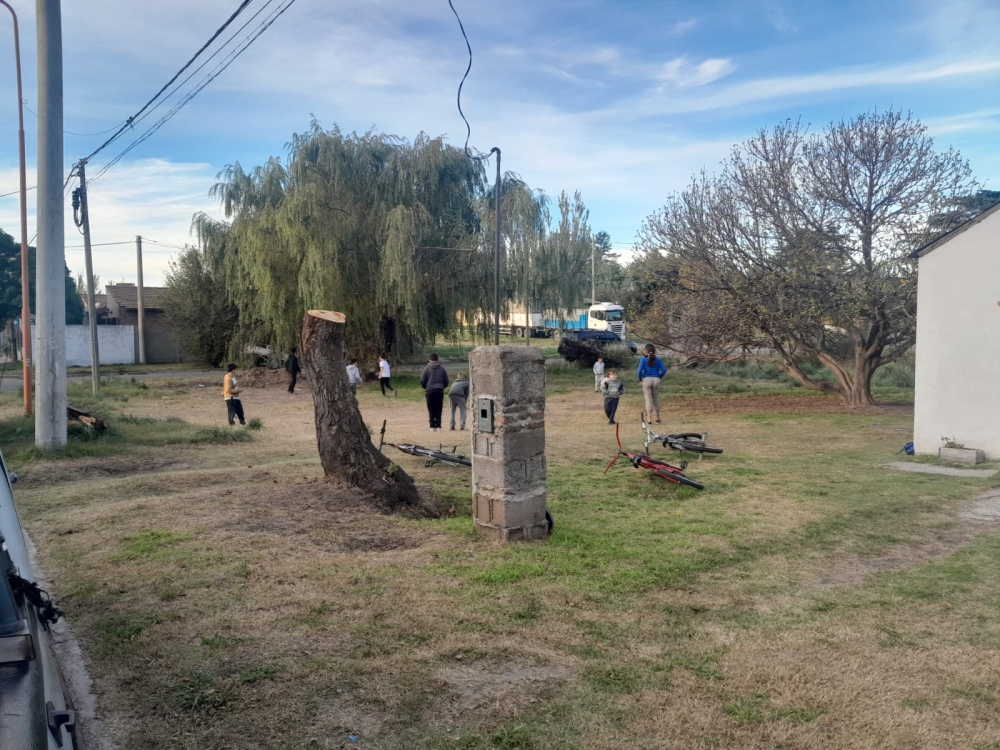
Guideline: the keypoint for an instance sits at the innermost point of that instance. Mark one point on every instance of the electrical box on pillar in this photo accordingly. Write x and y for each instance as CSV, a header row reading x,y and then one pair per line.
x,y
485,407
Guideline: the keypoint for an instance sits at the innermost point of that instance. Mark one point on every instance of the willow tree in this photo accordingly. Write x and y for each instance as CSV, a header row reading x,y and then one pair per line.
x,y
371,225
563,269
798,249
523,220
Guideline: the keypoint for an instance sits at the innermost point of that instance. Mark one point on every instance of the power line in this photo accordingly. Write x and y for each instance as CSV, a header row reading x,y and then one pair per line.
x,y
233,55
128,122
24,104
180,85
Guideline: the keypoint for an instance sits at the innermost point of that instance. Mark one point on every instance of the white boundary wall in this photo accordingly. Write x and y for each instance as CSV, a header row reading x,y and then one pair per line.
x,y
115,345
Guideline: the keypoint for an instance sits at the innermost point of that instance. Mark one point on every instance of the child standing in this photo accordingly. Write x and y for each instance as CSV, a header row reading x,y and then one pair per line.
x,y
353,375
613,389
231,393
598,373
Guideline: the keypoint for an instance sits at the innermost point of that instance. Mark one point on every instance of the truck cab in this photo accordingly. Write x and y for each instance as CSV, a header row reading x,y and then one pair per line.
x,y
605,316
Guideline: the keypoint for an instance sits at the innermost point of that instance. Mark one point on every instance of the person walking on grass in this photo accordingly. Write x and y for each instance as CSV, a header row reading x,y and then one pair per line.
x,y
458,395
231,393
293,368
651,372
354,376
613,389
598,373
384,375
434,379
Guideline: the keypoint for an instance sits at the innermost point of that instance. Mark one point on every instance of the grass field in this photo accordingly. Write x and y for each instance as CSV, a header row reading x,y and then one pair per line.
x,y
227,597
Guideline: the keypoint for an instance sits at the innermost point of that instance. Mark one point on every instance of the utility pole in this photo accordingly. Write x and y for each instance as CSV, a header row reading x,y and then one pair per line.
x,y
593,273
496,273
138,298
50,269
83,221
25,282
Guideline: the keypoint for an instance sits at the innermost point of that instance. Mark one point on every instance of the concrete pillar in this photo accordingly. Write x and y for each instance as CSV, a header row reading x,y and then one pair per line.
x,y
508,458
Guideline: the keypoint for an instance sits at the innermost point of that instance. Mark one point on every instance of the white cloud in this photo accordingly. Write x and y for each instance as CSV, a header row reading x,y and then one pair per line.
x,y
682,74
152,198
771,89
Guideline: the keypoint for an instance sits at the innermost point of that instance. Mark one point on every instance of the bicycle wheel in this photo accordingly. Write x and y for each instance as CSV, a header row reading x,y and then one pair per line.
x,y
698,447
678,478
689,436
441,457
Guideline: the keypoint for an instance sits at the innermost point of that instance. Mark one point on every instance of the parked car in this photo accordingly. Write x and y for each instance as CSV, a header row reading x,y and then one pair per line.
x,y
37,713
588,344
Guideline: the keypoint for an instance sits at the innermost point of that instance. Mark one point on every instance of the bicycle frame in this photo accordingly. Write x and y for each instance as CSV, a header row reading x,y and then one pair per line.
x,y
655,466
430,455
680,443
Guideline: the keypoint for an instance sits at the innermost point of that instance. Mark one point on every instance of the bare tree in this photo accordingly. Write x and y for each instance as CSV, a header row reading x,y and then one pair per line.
x,y
799,249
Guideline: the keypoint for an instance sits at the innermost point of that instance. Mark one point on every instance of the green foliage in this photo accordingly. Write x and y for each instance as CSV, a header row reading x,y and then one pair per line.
x,y
354,223
10,283
197,306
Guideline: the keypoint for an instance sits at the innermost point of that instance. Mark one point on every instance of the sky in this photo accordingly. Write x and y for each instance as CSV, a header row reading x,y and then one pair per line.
x,y
623,100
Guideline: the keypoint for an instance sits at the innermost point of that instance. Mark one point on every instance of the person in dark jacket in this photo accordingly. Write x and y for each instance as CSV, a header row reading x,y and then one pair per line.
x,y
458,395
434,379
292,365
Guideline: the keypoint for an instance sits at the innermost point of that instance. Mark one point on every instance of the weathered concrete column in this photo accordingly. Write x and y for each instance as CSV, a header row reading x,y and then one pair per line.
x,y
508,451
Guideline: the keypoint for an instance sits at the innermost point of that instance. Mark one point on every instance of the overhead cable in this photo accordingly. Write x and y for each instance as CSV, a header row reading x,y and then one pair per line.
x,y
230,58
128,122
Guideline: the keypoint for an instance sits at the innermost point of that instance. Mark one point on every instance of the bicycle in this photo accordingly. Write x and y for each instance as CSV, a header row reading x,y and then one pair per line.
x,y
656,467
692,442
429,455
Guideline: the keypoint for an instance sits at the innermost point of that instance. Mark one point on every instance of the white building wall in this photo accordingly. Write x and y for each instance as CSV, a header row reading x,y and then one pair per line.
x,y
958,342
115,345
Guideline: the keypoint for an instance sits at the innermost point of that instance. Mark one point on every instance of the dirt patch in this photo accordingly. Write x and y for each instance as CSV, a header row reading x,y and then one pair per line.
x,y
850,570
261,377
477,687
328,515
97,468
784,404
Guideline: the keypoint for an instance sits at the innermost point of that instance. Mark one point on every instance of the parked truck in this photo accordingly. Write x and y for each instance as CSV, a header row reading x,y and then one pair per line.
x,y
600,316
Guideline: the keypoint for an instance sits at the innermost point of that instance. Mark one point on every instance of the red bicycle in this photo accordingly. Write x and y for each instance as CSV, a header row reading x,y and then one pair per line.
x,y
656,467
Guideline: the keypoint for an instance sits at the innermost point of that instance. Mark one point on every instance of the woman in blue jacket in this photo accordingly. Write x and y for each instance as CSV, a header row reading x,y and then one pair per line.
x,y
651,371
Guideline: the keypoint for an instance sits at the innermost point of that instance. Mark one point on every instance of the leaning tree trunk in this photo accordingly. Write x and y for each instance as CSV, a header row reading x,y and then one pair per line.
x,y
345,446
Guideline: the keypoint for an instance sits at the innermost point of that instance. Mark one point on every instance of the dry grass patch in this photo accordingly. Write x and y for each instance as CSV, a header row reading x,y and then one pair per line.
x,y
228,597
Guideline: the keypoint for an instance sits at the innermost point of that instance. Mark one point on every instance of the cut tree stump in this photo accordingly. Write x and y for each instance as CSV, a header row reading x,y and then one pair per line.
x,y
345,447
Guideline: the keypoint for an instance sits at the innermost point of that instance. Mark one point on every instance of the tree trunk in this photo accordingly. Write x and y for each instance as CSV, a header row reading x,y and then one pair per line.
x,y
345,446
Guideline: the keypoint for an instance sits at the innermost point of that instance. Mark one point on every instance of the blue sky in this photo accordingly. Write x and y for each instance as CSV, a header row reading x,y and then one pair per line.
x,y
621,100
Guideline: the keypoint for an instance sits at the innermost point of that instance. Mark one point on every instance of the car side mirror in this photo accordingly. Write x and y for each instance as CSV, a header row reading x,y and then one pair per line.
x,y
12,477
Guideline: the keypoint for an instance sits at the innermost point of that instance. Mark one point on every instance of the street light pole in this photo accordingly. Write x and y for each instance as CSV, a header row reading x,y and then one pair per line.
x,y
496,270
25,287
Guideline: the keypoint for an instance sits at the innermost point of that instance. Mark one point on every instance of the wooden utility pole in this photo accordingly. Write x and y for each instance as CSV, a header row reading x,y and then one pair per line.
x,y
26,374
83,221
138,298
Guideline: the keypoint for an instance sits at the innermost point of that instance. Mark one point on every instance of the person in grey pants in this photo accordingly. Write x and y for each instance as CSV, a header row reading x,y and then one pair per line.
x,y
458,395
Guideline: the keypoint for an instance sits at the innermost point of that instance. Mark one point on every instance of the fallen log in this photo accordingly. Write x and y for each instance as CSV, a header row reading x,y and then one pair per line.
x,y
75,414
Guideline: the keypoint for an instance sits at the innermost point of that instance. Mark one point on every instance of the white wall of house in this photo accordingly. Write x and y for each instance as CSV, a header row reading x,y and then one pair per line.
x,y
115,345
958,341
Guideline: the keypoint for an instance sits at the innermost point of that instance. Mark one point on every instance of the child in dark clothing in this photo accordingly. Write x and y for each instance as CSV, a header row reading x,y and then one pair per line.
x,y
612,388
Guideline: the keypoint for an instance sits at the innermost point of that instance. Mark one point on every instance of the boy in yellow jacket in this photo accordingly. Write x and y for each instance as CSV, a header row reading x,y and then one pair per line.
x,y
231,393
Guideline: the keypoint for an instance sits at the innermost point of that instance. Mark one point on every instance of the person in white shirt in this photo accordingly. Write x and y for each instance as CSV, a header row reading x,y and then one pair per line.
x,y
384,375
